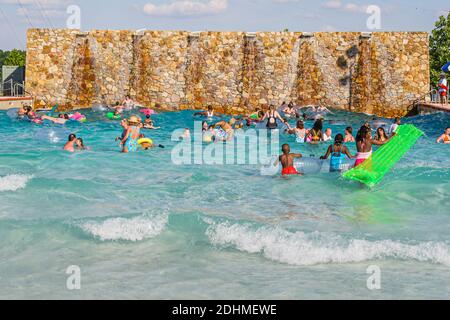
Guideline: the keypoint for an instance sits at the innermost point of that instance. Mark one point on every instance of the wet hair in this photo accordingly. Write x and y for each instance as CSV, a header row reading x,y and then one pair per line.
x,y
66,116
362,133
72,137
339,139
349,130
81,141
300,125
383,132
210,107
286,148
147,116
318,125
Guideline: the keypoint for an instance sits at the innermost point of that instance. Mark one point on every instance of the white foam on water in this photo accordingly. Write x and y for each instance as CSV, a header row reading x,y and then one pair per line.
x,y
133,229
298,248
14,182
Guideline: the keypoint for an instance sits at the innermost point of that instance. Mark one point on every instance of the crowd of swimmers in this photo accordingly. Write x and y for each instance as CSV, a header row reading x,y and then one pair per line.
x,y
225,130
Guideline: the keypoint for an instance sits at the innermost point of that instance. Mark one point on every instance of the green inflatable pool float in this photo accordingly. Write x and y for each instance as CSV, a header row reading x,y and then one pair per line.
x,y
111,116
372,171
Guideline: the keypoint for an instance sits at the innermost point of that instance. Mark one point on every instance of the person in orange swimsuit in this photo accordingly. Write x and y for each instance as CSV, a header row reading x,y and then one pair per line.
x,y
445,138
287,161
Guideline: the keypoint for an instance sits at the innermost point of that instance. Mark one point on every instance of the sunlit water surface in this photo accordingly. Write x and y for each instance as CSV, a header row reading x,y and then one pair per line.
x,y
140,227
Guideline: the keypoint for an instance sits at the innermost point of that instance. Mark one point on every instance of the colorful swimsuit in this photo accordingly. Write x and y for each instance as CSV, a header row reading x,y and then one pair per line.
x,y
131,143
289,171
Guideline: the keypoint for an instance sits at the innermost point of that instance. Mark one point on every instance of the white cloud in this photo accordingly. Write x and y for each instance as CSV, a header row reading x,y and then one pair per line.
x,y
333,4
349,7
187,8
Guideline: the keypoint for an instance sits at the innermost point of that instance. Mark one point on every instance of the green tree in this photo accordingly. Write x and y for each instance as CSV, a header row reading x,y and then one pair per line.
x,y
439,48
15,58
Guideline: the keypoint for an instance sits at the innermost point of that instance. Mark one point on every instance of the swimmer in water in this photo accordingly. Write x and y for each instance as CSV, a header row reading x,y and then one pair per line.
x,y
315,134
299,131
338,152
445,138
70,144
381,135
327,135
80,144
124,124
349,135
128,103
129,141
118,108
287,161
62,118
186,134
272,116
226,131
209,113
148,123
395,125
364,144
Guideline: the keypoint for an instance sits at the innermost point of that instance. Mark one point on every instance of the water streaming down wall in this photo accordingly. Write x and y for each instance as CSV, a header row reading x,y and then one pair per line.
x,y
233,71
82,87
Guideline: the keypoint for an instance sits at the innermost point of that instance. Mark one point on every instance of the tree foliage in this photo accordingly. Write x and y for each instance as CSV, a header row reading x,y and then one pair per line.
x,y
12,58
15,58
439,48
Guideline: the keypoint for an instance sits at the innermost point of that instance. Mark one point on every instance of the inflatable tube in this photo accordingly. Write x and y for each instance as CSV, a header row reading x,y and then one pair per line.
x,y
147,112
77,117
309,165
53,135
373,170
145,140
111,116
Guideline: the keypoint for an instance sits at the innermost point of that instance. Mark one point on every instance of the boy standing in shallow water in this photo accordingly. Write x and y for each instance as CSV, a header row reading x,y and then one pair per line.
x,y
287,161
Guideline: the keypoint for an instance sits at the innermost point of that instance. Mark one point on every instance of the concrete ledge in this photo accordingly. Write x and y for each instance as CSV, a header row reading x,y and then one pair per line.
x,y
7,103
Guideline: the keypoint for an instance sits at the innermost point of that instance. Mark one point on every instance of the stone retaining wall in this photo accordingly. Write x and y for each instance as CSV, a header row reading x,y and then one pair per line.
x,y
380,73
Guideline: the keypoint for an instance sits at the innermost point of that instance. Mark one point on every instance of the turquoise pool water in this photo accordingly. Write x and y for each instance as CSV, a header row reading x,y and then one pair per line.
x,y
140,227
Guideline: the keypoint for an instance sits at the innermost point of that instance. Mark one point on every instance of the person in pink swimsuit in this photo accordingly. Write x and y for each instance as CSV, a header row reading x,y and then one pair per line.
x,y
364,142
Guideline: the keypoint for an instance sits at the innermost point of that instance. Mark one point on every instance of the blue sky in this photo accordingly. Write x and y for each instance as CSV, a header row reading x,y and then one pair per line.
x,y
220,15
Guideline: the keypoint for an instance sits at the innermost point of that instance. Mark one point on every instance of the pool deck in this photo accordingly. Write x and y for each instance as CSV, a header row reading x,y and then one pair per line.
x,y
7,103
429,107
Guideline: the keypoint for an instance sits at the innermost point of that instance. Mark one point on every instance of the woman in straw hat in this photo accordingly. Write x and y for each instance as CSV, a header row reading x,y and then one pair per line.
x,y
132,134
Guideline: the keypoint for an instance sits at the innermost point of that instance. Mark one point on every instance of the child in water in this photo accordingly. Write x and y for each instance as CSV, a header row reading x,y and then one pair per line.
x,y
80,144
338,152
287,161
